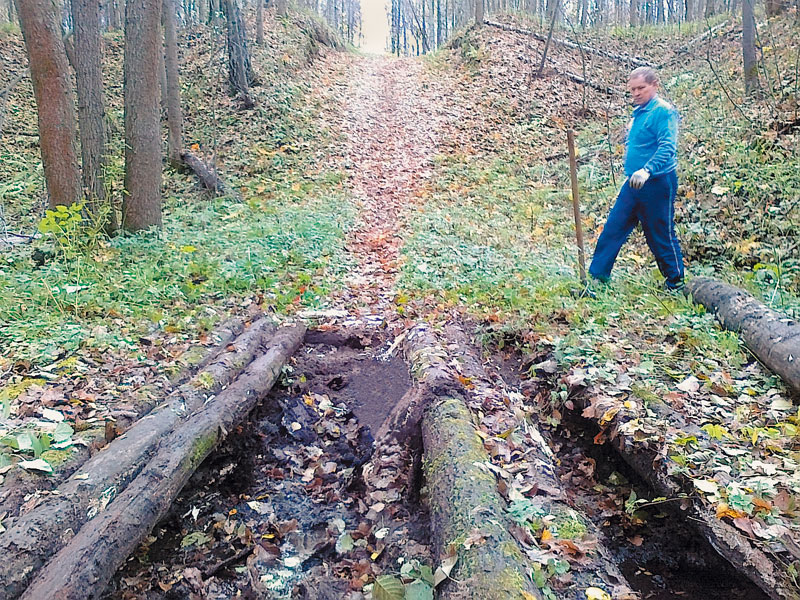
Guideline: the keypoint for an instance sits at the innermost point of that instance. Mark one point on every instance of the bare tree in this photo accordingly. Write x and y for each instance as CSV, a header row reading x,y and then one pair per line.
x,y
41,29
240,72
260,22
479,12
141,207
91,106
749,47
174,112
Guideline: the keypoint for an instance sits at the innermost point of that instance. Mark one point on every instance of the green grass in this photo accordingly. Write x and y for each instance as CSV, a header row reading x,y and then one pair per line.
x,y
281,247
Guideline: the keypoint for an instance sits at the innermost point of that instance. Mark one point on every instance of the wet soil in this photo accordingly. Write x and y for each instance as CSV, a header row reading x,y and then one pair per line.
x,y
659,553
661,556
280,510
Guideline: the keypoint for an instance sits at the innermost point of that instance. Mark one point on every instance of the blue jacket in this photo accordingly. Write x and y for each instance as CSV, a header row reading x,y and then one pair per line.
x,y
653,138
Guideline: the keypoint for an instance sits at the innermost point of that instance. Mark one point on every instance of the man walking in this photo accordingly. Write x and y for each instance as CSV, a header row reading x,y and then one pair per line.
x,y
648,194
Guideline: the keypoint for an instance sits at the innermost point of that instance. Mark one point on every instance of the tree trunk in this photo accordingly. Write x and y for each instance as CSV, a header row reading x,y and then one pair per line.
x,y
84,566
749,48
162,75
91,106
240,73
202,11
260,22
41,29
479,12
119,13
38,534
174,112
141,205
634,14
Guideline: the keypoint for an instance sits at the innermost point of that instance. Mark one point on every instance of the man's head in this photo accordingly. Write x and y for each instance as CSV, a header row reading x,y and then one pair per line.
x,y
643,85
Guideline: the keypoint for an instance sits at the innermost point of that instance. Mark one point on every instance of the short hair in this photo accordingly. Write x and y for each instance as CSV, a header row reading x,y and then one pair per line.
x,y
647,73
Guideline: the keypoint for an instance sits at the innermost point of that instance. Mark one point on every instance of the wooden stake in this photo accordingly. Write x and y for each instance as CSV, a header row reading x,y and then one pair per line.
x,y
576,204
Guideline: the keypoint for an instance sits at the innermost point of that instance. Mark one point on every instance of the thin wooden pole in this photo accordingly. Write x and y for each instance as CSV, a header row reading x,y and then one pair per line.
x,y
576,204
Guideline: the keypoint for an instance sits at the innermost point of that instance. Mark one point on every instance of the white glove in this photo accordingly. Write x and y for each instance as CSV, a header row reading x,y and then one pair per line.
x,y
638,178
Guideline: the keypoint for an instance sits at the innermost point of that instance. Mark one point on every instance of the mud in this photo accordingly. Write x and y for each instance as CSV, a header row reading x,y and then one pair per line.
x,y
279,511
659,553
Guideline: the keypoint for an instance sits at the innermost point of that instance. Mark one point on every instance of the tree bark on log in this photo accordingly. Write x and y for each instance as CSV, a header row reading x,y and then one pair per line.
x,y
463,499
462,496
207,175
773,337
83,567
35,536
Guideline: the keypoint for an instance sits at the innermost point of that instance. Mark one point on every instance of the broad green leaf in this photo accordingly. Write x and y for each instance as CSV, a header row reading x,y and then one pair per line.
x,y
62,433
196,538
419,590
388,587
344,543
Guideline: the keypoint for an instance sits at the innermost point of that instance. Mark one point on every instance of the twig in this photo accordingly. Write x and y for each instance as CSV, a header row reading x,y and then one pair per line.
x,y
722,85
213,570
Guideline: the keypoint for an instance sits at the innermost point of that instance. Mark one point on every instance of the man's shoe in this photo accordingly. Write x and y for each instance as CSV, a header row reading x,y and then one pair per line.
x,y
675,288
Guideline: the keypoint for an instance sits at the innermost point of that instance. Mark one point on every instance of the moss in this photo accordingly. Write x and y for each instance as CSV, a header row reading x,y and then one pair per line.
x,y
68,364
14,390
203,446
57,458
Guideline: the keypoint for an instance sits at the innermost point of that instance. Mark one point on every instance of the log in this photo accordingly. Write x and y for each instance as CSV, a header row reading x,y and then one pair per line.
x,y
764,569
207,174
623,58
772,336
38,534
463,499
766,572
83,567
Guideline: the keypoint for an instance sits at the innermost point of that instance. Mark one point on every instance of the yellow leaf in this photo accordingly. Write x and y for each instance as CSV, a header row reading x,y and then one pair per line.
x,y
188,249
546,535
595,593
295,187
723,510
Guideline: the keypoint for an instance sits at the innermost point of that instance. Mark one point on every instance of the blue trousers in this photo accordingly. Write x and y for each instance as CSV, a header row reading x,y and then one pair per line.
x,y
653,207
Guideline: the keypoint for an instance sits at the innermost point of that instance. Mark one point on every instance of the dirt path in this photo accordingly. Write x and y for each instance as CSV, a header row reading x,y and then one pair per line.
x,y
390,133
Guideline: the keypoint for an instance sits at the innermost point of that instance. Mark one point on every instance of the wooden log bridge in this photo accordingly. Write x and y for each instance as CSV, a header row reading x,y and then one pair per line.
x,y
71,544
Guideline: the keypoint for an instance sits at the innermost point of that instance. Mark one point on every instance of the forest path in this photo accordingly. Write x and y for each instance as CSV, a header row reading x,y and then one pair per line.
x,y
390,129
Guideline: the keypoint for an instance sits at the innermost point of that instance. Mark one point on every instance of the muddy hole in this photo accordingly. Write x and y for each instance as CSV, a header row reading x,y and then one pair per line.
x,y
281,509
659,553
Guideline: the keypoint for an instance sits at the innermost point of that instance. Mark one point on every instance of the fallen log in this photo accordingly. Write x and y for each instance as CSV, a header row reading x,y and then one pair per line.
x,y
605,89
464,502
207,175
746,557
771,336
623,58
757,561
588,82
503,410
84,566
36,535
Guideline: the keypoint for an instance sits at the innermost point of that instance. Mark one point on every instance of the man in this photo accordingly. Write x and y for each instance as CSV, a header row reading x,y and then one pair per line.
x,y
648,194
